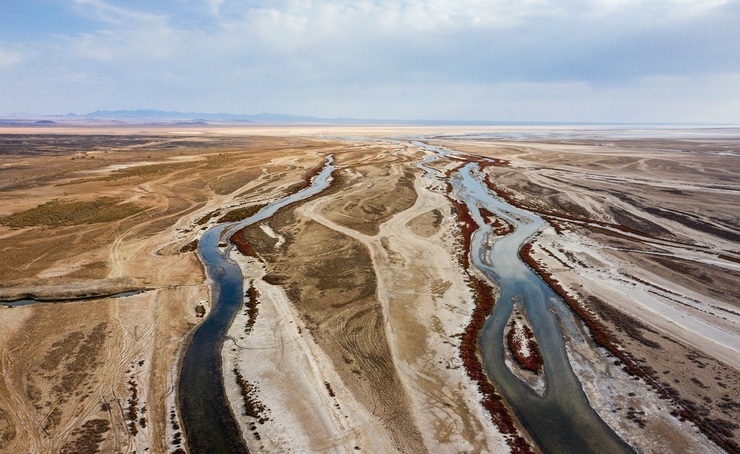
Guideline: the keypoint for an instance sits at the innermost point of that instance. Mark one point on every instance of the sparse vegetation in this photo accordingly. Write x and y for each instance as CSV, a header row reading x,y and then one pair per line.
x,y
240,214
7,428
252,301
533,360
58,213
190,247
252,406
330,389
132,411
204,220
88,437
630,325
200,310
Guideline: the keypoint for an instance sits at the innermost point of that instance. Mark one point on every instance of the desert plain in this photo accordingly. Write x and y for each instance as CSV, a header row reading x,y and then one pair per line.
x,y
351,334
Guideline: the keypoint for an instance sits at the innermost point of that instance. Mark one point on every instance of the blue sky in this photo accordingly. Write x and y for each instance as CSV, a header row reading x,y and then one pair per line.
x,y
528,60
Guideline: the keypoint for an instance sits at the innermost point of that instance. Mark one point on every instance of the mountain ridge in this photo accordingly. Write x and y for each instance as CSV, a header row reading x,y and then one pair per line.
x,y
266,117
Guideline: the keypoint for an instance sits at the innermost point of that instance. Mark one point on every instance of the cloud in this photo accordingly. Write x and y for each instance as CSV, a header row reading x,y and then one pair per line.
x,y
9,58
115,15
380,58
215,6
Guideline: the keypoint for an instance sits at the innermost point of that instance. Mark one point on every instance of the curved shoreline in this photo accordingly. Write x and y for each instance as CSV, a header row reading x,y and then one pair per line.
x,y
539,417
208,422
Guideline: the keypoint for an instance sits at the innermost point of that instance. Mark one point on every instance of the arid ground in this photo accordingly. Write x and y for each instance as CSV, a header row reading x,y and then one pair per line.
x,y
358,298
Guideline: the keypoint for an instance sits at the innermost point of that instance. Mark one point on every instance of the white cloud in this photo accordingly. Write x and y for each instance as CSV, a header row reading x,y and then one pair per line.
x,y
486,59
215,6
9,58
116,15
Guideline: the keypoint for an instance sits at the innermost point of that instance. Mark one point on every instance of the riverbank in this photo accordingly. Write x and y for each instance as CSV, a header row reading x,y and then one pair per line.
x,y
368,275
101,373
663,295
425,306
641,411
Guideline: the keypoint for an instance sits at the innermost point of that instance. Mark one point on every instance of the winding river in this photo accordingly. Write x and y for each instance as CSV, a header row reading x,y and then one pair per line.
x,y
562,419
208,423
559,421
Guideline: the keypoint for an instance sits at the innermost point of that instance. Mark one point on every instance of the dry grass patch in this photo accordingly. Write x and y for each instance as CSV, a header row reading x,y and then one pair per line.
x,y
58,213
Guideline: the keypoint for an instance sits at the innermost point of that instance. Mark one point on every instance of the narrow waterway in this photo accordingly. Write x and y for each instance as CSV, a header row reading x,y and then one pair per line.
x,y
209,425
561,420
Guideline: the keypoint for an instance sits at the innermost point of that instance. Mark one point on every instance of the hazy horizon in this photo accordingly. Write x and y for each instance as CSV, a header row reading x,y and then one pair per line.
x,y
602,61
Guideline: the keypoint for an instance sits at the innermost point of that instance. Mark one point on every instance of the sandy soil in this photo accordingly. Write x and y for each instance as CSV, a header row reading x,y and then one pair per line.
x,y
361,299
645,246
101,374
422,301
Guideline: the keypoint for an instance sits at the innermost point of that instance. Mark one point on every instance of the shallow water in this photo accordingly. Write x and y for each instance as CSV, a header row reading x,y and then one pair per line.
x,y
208,423
561,420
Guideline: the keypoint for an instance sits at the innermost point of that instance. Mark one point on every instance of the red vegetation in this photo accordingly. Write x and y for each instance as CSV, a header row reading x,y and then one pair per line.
x,y
533,362
468,226
502,228
492,162
469,353
487,214
602,337
557,226
492,400
729,258
242,245
599,332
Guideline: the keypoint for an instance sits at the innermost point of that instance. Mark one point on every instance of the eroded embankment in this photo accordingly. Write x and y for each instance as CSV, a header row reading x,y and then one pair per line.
x,y
713,429
718,430
330,279
469,349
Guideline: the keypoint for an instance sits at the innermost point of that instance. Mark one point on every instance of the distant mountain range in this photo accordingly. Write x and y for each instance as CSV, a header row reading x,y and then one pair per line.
x,y
200,118
149,114
146,116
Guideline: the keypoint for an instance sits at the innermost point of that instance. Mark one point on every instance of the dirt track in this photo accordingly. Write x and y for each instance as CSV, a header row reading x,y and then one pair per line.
x,y
113,360
361,298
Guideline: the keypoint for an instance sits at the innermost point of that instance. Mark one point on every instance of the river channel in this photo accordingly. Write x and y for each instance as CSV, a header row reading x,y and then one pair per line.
x,y
209,425
562,419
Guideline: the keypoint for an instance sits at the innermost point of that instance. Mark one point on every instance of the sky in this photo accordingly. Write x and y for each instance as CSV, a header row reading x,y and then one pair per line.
x,y
489,60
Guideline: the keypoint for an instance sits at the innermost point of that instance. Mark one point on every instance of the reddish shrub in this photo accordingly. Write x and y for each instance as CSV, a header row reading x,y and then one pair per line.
x,y
469,353
533,362
602,337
